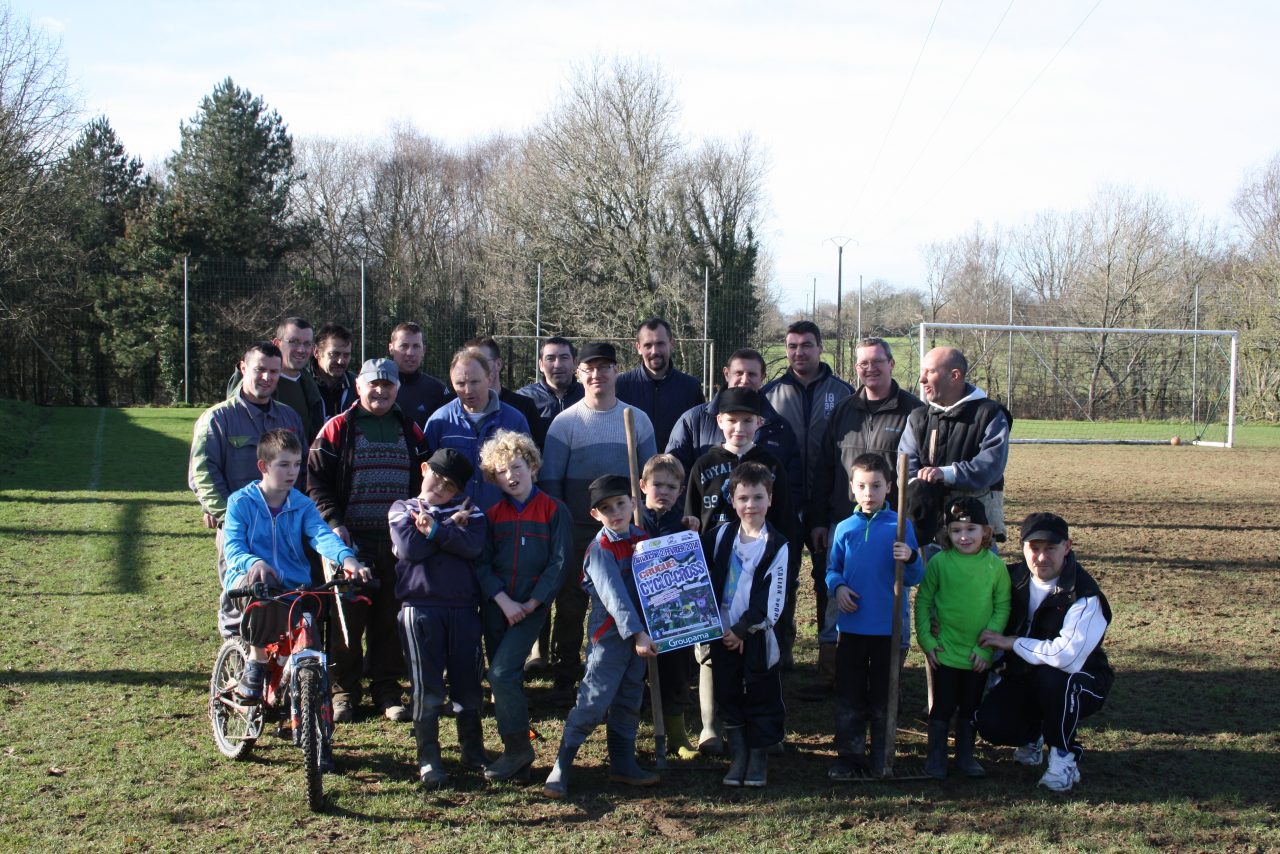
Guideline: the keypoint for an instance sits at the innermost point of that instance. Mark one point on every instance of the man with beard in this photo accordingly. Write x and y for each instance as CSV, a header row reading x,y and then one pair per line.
x,y
330,366
657,388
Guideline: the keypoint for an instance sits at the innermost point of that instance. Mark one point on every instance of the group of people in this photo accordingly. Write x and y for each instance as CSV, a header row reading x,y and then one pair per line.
x,y
494,520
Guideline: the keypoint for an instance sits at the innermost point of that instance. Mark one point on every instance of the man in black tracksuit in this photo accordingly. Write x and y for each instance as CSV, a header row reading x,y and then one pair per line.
x,y
1054,671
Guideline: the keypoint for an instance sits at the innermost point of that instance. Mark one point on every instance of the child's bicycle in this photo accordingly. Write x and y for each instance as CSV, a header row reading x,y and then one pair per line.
x,y
296,688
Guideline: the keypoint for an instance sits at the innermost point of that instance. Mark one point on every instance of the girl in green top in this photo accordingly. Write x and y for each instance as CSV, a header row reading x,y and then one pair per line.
x,y
965,590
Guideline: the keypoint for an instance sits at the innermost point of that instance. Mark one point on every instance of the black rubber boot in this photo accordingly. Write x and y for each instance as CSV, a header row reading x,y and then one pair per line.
x,y
757,768
516,760
968,766
736,736
471,741
878,744
623,767
557,785
430,769
935,763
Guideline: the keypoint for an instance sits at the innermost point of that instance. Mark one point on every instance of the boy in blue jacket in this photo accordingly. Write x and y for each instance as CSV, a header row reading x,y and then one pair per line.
x,y
860,574
265,525
613,685
437,538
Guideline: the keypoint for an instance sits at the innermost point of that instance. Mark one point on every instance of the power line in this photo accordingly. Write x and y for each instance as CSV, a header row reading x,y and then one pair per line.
x,y
954,98
943,183
893,121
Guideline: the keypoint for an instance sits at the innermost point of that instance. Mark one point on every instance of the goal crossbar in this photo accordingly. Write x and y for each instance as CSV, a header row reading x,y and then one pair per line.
x,y
1232,334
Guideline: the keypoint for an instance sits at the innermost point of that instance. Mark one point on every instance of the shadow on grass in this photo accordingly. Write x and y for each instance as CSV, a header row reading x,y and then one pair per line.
x,y
106,677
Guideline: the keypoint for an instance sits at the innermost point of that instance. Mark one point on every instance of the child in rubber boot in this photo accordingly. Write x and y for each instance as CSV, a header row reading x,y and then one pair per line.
x,y
661,482
526,555
613,685
965,592
860,579
437,538
748,562
269,519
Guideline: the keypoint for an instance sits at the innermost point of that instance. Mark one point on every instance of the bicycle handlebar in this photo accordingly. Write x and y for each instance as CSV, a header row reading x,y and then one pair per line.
x,y
262,590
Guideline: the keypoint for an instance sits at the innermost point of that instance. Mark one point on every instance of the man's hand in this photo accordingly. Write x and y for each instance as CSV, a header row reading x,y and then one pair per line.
x,y
930,474
645,646
992,640
261,571
343,534
691,523
820,538
846,599
511,609
901,552
210,521
932,656
732,642
979,663
462,515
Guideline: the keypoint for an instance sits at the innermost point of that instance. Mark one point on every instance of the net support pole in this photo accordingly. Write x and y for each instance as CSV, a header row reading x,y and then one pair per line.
x,y
1231,392
537,320
363,337
186,337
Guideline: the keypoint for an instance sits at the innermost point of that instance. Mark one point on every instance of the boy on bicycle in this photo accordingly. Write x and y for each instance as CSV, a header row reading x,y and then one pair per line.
x,y
265,525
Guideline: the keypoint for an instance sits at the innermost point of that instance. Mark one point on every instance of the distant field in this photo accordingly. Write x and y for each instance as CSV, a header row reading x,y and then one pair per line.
x,y
109,636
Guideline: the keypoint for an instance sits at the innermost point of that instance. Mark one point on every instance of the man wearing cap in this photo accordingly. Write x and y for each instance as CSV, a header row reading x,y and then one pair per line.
x,y
559,387
663,392
365,459
224,447
869,421
586,441
958,444
1054,671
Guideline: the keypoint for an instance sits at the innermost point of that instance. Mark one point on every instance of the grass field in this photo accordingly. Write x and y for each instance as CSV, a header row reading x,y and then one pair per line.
x,y
108,619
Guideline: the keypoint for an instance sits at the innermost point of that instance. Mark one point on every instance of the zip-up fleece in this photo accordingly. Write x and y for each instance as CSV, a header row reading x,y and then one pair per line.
x,y
807,409
527,550
252,534
861,558
224,448
708,498
608,580
438,570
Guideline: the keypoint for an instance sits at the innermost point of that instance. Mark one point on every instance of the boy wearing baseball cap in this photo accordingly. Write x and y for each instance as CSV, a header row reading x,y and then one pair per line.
x,y
437,538
1054,671
613,685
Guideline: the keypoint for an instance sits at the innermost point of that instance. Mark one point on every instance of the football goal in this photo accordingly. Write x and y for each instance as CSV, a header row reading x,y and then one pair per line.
x,y
1093,385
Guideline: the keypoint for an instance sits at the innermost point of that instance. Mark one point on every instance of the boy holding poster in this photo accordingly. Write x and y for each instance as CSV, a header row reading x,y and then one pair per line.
x,y
613,685
661,482
748,563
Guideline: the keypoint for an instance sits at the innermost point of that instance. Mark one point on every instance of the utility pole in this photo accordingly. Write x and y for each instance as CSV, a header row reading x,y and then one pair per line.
x,y
840,243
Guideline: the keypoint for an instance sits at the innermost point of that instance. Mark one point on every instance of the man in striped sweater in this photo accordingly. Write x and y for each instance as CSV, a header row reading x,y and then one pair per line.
x,y
585,441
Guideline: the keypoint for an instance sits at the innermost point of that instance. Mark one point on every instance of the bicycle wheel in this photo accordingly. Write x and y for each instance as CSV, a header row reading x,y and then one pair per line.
x,y
312,737
234,731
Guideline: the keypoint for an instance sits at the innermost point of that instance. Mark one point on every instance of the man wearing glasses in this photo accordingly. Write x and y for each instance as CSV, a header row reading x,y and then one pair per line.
x,y
297,388
869,421
585,441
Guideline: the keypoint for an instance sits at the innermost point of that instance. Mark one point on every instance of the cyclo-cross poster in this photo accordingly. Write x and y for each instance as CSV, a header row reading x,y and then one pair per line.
x,y
675,591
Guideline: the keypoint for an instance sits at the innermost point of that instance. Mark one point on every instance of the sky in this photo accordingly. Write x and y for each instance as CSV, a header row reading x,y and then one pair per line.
x,y
887,125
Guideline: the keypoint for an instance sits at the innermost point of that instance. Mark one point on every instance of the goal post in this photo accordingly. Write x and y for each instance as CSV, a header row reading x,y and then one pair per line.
x,y
1102,385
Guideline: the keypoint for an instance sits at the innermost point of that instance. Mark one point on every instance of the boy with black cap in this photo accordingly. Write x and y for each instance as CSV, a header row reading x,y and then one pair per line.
x,y
1054,671
613,685
708,497
437,540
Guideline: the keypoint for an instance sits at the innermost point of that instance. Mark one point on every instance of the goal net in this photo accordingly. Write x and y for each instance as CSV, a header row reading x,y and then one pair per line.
x,y
1090,385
